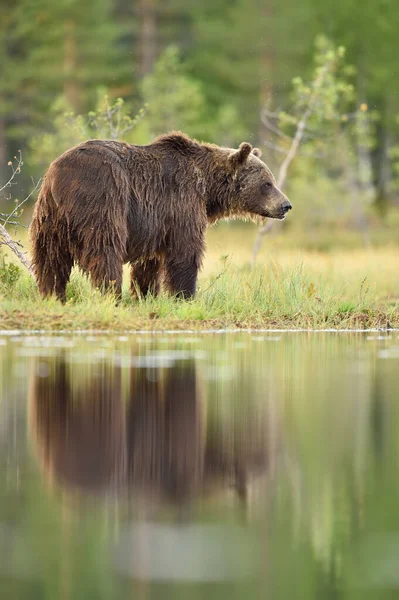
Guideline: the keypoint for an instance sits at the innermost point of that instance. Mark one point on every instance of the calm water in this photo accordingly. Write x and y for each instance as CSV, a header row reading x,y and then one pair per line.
x,y
218,466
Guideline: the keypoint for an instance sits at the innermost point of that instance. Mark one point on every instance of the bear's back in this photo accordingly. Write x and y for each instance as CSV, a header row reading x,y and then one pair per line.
x,y
105,151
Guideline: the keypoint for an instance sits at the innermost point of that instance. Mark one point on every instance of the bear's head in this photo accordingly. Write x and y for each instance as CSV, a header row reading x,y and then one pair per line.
x,y
254,189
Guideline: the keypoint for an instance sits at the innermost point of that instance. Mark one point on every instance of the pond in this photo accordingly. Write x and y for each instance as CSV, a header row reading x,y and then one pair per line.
x,y
216,466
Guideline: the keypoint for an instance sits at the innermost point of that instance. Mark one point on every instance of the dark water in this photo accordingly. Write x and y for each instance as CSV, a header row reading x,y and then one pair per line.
x,y
219,466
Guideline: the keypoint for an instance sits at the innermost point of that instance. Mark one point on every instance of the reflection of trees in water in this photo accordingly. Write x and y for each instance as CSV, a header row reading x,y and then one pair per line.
x,y
160,443
377,416
238,446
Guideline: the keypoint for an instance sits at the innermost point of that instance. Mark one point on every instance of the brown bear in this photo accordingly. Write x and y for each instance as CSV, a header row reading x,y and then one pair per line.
x,y
106,203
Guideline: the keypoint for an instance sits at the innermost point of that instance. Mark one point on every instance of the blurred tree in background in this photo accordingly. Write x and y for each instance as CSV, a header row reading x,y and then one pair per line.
x,y
207,68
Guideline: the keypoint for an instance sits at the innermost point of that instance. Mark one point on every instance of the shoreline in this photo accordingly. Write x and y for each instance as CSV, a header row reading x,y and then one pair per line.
x,y
198,331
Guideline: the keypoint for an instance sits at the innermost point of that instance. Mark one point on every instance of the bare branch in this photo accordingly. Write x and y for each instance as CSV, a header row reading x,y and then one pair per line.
x,y
281,150
6,240
265,118
270,114
296,141
274,147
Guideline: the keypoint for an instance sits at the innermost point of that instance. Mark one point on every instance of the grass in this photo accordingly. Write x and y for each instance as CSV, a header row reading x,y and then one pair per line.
x,y
289,288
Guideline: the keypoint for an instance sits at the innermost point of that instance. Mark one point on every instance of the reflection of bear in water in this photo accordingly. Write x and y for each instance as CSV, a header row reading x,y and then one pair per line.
x,y
165,431
79,428
159,445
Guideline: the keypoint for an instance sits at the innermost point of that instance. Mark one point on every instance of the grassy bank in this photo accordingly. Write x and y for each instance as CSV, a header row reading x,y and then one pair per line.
x,y
289,288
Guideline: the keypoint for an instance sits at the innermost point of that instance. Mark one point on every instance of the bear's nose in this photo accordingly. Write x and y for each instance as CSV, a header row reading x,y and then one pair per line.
x,y
287,206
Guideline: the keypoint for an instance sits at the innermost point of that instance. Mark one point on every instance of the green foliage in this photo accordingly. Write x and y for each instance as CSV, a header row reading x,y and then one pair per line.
x,y
228,128
393,153
172,100
9,274
327,97
50,49
331,175
109,120
176,101
233,55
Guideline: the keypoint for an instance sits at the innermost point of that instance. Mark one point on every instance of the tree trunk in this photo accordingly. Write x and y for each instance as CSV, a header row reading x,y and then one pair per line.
x,y
381,168
266,69
147,35
3,149
71,86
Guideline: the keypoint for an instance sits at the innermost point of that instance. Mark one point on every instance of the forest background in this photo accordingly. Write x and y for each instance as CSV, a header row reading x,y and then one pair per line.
x,y
208,68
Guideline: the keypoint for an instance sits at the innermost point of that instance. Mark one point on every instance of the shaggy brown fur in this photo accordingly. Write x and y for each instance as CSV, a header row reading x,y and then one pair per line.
x,y
105,203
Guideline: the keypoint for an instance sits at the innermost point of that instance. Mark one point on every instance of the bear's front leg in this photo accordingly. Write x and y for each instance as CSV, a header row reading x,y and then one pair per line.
x,y
181,275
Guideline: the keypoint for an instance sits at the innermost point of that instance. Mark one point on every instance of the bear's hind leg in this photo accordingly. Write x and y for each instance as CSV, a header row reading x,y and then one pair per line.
x,y
106,274
52,261
63,268
103,251
146,277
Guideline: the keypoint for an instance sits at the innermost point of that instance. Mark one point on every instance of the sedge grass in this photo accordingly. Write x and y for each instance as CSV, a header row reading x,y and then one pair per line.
x,y
287,289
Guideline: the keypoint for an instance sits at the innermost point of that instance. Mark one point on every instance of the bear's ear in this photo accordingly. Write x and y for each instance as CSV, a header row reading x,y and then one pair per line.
x,y
257,152
240,156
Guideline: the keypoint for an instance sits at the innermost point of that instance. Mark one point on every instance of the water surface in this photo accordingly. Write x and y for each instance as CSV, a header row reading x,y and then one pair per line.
x,y
184,466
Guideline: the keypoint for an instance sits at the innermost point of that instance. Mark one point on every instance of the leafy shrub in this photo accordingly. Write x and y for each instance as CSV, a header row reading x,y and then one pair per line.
x,y
109,120
9,274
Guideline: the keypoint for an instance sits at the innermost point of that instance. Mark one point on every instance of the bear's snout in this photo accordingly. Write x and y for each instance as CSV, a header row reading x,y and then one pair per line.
x,y
286,206
282,205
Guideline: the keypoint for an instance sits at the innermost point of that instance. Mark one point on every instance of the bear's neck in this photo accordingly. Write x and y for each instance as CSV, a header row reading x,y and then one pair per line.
x,y
219,186
216,211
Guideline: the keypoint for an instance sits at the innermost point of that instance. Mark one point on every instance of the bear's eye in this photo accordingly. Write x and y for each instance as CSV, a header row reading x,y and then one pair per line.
x,y
266,186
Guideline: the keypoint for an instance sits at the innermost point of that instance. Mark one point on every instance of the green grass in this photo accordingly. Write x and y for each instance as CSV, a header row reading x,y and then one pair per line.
x,y
292,290
291,287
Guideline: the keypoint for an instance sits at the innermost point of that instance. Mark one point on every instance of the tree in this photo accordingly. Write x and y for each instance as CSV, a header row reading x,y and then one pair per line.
x,y
51,48
177,101
370,37
320,107
9,83
70,47
229,56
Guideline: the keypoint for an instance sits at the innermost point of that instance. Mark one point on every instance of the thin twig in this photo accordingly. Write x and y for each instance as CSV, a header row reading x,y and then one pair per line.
x,y
218,276
4,218
300,130
15,171
22,203
5,238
